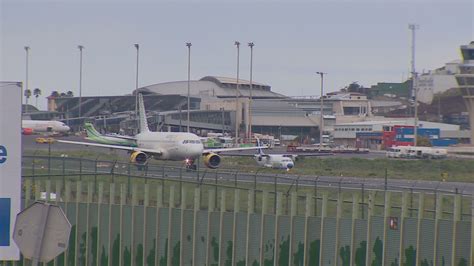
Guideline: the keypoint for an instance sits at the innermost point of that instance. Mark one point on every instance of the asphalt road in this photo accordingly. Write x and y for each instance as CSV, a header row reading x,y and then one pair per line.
x,y
284,178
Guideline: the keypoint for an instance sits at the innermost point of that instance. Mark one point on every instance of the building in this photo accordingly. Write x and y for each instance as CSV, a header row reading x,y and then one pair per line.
x,y
347,134
465,80
436,81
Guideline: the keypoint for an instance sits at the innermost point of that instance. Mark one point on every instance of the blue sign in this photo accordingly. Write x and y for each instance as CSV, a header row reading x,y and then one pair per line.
x,y
5,204
3,154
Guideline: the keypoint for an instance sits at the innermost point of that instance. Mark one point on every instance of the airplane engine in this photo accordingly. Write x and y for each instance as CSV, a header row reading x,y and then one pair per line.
x,y
138,157
212,160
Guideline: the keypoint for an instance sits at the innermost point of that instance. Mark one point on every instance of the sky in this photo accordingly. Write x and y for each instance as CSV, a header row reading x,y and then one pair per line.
x,y
352,41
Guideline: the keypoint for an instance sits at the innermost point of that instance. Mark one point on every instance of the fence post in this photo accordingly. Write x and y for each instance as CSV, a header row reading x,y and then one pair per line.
x,y
27,191
278,213
197,207
58,191
182,236
403,215
370,213
48,190
340,201
234,226
421,210
472,229
308,213
221,223
159,196
170,222
386,217
456,219
355,216
264,211
324,212
438,216
250,211
293,213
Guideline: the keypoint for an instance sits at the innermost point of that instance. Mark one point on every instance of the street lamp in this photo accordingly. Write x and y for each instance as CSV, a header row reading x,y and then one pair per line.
x,y
188,44
251,45
27,50
237,95
321,121
413,28
137,46
80,47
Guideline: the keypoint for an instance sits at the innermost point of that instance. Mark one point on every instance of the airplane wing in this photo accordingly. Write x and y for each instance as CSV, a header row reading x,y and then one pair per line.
x,y
127,148
120,136
206,151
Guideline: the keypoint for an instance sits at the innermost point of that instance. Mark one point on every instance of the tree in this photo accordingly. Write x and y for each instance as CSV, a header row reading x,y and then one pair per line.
x,y
27,94
69,94
62,95
36,93
54,94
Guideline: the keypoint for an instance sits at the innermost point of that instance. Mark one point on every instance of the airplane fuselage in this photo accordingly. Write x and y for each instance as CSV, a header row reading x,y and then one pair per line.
x,y
45,126
275,161
173,145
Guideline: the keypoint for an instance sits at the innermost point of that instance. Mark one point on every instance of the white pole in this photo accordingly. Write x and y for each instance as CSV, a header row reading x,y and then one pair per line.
x,y
237,95
80,79
137,46
413,28
188,44
27,49
321,118
251,45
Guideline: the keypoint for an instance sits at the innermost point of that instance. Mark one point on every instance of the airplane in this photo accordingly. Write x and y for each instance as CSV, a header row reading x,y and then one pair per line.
x,y
39,126
275,161
176,146
95,136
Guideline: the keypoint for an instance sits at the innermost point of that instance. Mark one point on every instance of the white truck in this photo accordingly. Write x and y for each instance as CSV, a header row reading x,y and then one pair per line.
x,y
412,152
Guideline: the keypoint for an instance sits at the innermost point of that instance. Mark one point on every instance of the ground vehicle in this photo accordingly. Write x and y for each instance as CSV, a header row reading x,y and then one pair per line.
x,y
41,140
416,152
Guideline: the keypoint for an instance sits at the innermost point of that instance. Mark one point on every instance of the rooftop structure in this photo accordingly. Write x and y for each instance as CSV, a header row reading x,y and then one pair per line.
x,y
221,87
465,80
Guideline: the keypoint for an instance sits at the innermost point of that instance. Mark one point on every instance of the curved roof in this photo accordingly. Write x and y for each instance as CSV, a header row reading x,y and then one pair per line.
x,y
220,87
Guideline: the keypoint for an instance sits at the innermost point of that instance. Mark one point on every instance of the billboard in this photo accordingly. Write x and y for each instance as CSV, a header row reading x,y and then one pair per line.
x,y
10,166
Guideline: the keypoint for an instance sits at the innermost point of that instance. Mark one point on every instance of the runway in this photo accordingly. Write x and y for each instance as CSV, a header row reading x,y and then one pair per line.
x,y
174,171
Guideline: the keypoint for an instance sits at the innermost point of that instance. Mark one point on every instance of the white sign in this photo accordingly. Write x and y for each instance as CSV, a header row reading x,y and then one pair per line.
x,y
42,232
10,166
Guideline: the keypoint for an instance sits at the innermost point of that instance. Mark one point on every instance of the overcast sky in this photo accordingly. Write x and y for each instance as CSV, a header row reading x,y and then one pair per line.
x,y
364,41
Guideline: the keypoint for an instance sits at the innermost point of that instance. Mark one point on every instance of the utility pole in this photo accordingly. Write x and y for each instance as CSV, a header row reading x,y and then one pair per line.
x,y
80,47
321,109
237,95
188,44
251,45
413,28
137,46
27,50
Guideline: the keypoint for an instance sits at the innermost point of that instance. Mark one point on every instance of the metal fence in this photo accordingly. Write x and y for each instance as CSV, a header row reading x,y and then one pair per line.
x,y
165,215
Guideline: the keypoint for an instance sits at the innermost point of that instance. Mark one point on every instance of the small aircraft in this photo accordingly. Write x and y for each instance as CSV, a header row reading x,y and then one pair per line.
x,y
275,161
176,146
39,126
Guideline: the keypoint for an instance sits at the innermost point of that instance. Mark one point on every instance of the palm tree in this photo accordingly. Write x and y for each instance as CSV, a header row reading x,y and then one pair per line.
x,y
54,94
37,93
27,94
62,95
69,94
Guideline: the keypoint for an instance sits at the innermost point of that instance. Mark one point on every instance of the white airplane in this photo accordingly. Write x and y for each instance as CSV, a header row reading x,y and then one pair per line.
x,y
39,126
176,146
275,161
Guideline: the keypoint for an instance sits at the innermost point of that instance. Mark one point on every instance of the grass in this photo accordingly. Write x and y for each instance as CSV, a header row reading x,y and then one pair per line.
x,y
452,170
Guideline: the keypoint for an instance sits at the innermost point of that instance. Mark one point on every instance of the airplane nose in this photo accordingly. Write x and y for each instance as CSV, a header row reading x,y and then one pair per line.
x,y
289,166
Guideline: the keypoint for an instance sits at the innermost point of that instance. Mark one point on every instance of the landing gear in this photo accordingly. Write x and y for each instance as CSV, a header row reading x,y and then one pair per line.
x,y
190,165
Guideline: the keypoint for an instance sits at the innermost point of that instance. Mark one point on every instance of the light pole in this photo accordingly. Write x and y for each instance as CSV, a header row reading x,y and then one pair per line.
x,y
237,95
321,119
413,28
80,47
27,50
251,45
188,44
137,46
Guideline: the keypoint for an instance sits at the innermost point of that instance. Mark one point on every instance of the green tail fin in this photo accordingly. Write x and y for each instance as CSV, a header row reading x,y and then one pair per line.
x,y
91,131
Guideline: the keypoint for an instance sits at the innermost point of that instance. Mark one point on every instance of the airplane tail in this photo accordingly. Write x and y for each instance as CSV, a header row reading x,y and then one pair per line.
x,y
91,131
260,150
142,118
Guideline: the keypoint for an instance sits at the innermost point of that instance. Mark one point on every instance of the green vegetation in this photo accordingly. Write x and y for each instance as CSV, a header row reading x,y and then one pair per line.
x,y
451,170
